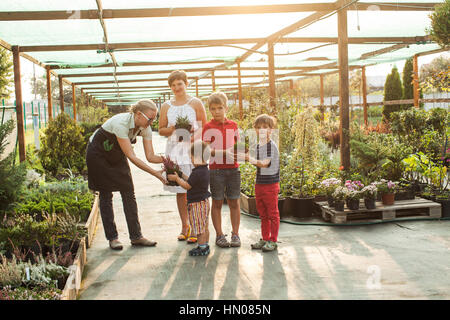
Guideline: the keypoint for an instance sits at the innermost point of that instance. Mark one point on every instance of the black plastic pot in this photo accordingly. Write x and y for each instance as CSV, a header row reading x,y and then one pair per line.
x,y
353,204
330,201
281,202
339,205
299,207
445,206
370,204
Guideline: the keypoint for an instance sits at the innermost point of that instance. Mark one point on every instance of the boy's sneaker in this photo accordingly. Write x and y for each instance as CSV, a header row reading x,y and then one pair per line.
x,y
235,241
222,241
199,251
269,246
259,244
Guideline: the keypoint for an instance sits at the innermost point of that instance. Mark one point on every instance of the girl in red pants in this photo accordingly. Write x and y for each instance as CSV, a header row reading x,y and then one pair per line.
x,y
267,183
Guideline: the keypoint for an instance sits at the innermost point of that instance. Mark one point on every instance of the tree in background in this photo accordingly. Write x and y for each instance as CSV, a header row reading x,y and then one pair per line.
x,y
6,71
40,88
440,24
392,91
408,87
435,76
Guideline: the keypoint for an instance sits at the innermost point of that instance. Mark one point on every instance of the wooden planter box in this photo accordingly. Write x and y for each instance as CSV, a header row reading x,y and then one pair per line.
x,y
248,204
73,283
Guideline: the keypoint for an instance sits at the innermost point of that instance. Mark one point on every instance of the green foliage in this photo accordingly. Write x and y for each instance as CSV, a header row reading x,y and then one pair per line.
x,y
62,145
423,130
11,176
36,293
378,155
6,71
435,76
93,115
408,87
69,197
440,24
248,179
286,119
89,129
306,130
392,91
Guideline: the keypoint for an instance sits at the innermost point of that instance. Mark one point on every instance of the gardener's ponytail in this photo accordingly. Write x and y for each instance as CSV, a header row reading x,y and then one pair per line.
x,y
143,105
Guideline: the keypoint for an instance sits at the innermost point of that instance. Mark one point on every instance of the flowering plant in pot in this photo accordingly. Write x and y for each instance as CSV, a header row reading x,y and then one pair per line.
x,y
387,190
369,194
328,186
339,196
170,167
354,195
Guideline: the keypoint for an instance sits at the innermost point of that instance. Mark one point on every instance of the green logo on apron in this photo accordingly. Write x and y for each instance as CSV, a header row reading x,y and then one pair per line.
x,y
107,145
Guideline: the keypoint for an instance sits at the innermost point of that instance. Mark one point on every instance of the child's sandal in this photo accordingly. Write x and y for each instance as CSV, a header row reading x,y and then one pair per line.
x,y
192,240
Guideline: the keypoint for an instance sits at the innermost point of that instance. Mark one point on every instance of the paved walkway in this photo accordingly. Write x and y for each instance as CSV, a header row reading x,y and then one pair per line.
x,y
408,260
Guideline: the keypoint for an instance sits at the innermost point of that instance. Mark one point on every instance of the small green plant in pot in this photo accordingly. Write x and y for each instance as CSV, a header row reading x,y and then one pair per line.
x,y
183,128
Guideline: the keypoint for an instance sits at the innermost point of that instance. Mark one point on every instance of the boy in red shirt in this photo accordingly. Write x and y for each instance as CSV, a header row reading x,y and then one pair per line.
x,y
225,177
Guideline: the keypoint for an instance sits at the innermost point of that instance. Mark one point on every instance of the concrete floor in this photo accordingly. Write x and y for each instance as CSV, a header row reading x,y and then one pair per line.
x,y
407,260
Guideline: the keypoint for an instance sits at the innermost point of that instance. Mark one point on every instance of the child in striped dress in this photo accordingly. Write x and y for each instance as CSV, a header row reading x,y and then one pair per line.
x,y
197,185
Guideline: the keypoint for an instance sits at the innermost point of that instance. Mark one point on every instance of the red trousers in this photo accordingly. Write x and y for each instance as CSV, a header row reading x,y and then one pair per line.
x,y
267,205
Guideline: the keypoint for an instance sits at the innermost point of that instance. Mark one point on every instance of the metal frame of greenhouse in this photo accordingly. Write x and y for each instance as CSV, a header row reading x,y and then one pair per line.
x,y
118,52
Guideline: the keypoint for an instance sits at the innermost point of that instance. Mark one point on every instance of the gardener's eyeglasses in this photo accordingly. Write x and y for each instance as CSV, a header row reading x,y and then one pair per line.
x,y
149,120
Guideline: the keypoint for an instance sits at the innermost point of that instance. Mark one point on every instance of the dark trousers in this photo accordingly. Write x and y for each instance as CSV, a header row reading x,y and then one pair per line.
x,y
131,214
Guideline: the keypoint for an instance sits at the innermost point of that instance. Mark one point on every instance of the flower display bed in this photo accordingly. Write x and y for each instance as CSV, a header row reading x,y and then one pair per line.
x,y
73,283
416,208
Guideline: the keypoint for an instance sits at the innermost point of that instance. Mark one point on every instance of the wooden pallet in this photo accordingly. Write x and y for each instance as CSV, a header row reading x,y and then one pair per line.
x,y
416,208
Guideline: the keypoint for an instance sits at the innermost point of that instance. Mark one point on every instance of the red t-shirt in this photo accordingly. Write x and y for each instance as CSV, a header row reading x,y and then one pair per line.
x,y
221,136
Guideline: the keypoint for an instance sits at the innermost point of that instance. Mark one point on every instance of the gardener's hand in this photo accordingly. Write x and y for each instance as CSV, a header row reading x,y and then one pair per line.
x,y
160,176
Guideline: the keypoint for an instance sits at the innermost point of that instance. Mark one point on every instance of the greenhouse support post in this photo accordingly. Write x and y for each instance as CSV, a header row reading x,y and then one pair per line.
x,y
19,102
49,93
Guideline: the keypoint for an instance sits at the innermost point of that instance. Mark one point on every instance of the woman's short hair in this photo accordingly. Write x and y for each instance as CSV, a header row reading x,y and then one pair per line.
x,y
201,148
143,105
177,75
264,119
219,98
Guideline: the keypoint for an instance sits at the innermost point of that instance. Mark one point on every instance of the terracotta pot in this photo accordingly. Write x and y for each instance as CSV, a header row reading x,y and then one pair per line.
x,y
388,199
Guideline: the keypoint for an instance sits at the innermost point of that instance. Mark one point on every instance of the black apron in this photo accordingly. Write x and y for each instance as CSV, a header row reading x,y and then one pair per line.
x,y
108,168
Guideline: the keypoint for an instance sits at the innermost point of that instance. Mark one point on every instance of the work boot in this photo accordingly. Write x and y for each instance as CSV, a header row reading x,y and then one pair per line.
x,y
143,242
115,245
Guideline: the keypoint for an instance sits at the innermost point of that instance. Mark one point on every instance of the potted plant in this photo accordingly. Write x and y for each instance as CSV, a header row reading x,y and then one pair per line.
x,y
328,186
339,196
369,194
248,176
170,167
387,190
183,128
353,197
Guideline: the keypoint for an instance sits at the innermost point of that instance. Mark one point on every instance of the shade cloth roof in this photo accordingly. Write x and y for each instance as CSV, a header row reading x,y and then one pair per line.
x,y
148,39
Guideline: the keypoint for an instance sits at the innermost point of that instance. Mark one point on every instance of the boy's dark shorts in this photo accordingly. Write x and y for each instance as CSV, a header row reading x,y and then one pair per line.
x,y
225,182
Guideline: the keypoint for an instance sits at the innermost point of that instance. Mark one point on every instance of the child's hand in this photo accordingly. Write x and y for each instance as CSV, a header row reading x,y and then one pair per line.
x,y
172,177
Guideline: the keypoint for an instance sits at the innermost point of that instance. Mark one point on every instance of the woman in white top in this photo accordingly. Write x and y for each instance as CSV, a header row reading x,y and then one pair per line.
x,y
108,169
182,105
